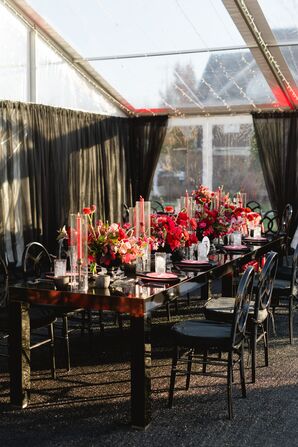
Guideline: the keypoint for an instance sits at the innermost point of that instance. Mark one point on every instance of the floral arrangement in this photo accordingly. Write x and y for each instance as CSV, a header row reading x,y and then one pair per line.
x,y
172,232
217,215
212,223
111,244
202,195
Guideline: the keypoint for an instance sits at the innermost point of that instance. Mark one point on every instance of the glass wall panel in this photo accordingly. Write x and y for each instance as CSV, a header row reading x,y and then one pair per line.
x,y
58,84
13,57
180,164
215,151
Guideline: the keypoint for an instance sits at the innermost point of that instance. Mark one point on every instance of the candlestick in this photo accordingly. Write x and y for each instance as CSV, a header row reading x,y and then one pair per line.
x,y
142,215
79,236
186,201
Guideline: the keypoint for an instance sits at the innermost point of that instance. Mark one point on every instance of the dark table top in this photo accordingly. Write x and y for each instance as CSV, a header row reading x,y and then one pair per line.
x,y
137,296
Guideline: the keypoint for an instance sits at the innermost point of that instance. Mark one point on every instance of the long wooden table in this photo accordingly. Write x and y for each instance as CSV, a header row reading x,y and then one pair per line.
x,y
138,301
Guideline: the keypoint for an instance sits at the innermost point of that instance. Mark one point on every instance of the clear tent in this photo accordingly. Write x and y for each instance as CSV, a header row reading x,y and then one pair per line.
x,y
178,56
205,63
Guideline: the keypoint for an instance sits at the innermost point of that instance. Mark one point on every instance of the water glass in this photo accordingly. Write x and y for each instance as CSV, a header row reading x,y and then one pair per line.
x,y
236,238
258,231
59,267
160,262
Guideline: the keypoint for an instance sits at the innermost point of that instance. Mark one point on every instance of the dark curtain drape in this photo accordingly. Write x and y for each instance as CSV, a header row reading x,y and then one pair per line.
x,y
56,161
146,138
277,140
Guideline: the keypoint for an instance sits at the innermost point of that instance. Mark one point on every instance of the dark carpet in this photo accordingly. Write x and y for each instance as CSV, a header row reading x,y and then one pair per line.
x,y
90,405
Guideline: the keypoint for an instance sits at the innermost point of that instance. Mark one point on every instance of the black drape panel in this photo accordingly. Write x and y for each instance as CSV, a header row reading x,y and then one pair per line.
x,y
53,162
146,138
277,140
56,161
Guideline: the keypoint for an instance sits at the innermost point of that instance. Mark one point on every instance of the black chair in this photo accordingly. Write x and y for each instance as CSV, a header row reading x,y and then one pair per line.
x,y
270,223
36,262
254,206
125,213
40,317
258,317
285,291
157,207
284,229
196,340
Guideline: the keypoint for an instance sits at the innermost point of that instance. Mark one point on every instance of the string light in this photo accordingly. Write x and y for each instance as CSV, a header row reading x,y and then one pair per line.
x,y
266,50
220,63
254,74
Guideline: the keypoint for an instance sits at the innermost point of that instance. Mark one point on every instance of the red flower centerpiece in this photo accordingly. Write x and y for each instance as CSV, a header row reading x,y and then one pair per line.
x,y
111,245
173,232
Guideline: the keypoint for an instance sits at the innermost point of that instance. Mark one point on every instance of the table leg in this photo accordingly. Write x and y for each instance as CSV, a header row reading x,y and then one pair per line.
x,y
140,371
19,353
227,285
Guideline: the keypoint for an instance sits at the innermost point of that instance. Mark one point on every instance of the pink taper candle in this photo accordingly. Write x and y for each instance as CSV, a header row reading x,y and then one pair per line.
x,y
79,237
142,215
186,201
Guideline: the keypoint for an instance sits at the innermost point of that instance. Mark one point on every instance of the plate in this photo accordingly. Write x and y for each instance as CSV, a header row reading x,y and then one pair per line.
x,y
256,239
193,262
235,247
160,276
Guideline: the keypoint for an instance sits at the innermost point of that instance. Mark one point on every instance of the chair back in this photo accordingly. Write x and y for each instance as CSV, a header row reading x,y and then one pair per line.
x,y
157,207
284,224
125,213
254,206
36,260
270,223
241,308
266,284
3,283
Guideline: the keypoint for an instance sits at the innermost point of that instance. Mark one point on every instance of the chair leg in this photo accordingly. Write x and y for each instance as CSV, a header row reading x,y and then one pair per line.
x,y
83,325
242,372
291,317
66,341
52,350
89,322
254,335
229,384
173,377
189,365
168,311
100,321
266,341
205,355
176,307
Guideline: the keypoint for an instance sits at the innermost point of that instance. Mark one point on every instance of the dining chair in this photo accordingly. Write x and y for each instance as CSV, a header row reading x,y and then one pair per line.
x,y
284,230
36,262
254,206
40,318
270,223
157,207
285,292
257,329
196,340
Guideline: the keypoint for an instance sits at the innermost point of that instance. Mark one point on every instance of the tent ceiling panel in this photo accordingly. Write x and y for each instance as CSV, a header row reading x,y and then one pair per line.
x,y
178,56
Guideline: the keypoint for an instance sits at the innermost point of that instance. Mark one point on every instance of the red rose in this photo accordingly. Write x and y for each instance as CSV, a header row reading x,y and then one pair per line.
x,y
87,210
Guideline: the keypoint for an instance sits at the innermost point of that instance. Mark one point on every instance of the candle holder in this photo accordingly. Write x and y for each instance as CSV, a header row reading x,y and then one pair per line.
x,y
142,216
78,242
